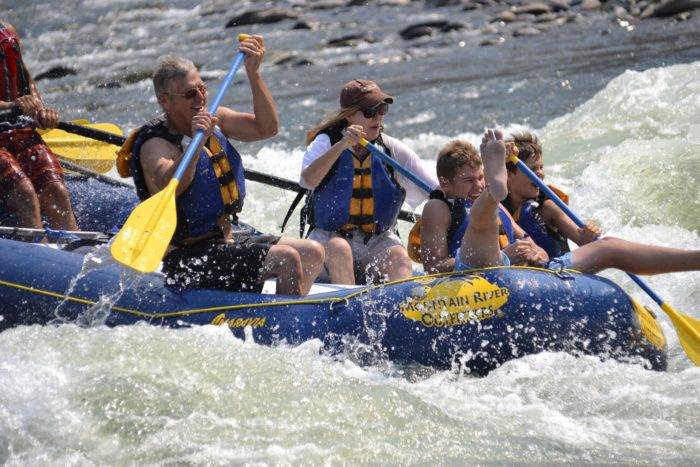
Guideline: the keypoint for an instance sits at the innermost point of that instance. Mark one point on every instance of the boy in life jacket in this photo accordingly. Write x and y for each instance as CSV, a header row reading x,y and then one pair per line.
x,y
208,250
356,197
31,179
463,226
550,227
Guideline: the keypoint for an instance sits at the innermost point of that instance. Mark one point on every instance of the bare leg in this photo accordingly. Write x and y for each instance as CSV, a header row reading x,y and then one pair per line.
x,y
283,262
395,264
637,258
480,246
311,254
339,261
23,201
55,203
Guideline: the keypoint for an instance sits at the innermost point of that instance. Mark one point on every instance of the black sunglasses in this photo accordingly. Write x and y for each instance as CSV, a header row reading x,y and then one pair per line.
x,y
382,109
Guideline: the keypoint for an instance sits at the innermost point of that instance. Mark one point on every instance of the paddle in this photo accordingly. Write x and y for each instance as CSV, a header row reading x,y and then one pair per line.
x,y
118,140
97,132
687,327
92,174
90,153
392,162
73,141
142,241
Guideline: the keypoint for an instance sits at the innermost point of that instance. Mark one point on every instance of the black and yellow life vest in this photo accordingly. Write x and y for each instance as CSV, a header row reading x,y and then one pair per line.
x,y
358,192
218,186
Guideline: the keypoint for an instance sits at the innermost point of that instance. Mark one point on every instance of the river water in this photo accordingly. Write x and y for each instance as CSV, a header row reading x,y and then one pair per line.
x,y
618,109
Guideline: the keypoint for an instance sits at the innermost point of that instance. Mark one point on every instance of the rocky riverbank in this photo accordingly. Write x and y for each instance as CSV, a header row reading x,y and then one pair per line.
x,y
492,22
472,62
500,18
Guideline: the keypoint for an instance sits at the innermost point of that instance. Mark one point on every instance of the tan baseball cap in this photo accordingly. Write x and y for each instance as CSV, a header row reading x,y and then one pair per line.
x,y
363,93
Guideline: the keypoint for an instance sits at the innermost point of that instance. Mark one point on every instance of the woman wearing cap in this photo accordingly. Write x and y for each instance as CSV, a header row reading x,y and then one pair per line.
x,y
356,197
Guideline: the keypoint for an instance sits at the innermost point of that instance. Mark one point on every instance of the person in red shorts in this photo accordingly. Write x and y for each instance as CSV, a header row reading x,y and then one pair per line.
x,y
31,179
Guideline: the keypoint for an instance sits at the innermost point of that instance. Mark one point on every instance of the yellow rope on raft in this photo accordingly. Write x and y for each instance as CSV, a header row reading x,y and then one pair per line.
x,y
329,300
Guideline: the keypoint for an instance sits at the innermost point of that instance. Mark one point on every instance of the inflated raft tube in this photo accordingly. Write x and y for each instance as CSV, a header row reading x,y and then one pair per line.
x,y
97,205
473,320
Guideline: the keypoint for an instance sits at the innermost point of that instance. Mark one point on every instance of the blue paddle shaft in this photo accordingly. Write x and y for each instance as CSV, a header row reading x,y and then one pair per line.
x,y
199,134
400,168
579,222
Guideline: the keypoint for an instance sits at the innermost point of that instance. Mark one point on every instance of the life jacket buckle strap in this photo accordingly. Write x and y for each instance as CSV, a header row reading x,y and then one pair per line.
x,y
218,157
360,220
227,178
362,193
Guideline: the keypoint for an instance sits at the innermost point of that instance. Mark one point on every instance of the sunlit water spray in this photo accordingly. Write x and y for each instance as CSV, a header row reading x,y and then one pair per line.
x,y
97,258
144,394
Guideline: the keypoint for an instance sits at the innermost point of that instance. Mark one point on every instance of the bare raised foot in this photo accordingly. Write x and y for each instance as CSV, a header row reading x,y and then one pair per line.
x,y
493,156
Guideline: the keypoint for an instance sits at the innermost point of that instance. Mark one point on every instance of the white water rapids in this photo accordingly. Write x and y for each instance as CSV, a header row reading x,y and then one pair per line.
x,y
629,156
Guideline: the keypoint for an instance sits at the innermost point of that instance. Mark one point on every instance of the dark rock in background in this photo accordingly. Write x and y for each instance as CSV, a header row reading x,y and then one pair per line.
x,y
56,72
272,15
672,7
350,40
429,28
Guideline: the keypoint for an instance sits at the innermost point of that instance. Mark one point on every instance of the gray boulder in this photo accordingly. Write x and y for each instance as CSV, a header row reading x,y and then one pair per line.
x,y
429,28
537,8
272,15
673,7
55,72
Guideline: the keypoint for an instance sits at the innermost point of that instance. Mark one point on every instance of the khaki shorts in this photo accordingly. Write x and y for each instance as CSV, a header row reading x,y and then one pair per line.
x,y
364,255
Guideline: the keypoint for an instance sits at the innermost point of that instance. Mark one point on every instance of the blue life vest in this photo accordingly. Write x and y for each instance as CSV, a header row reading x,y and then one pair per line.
x,y
332,198
204,201
531,221
459,213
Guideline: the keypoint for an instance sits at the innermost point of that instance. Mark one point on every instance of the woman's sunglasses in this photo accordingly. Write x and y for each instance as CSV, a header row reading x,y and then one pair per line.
x,y
191,93
382,109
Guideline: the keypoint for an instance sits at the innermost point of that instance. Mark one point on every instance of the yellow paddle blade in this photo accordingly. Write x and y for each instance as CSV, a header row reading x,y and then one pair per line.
x,y
143,239
86,152
688,329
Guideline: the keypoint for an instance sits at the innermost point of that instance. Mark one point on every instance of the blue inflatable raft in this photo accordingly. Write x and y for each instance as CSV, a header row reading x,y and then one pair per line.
x,y
474,320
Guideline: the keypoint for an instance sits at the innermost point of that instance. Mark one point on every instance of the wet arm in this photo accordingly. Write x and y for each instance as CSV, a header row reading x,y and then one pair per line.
x,y
317,170
263,123
557,219
159,160
434,226
314,173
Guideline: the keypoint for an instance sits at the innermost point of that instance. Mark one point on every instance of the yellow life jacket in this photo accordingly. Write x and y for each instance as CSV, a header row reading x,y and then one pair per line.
x,y
414,242
224,173
362,200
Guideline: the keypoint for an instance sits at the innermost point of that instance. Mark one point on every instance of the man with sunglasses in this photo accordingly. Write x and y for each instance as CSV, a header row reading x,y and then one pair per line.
x,y
356,197
208,249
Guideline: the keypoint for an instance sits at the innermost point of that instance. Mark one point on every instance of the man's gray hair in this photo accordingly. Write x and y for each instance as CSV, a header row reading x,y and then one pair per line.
x,y
169,69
